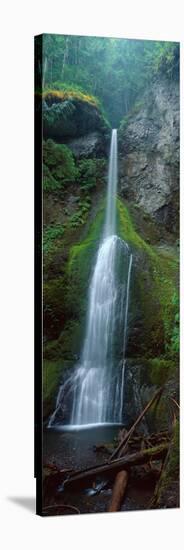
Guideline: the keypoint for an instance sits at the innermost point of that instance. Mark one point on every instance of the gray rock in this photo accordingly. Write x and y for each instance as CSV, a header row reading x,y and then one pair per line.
x,y
91,145
149,149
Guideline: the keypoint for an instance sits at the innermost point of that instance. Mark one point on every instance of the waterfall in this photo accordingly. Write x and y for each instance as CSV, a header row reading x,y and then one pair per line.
x,y
110,221
95,388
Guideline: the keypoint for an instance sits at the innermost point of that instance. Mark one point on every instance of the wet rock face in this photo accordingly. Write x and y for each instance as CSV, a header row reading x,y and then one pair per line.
x,y
143,378
89,146
149,149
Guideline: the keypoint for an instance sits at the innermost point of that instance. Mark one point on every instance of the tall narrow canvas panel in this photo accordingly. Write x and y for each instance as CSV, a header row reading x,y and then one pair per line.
x,y
106,274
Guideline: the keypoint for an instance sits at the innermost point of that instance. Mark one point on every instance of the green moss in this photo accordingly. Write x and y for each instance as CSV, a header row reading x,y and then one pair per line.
x,y
55,305
156,284
126,230
66,92
63,91
80,263
71,338
51,377
157,370
51,373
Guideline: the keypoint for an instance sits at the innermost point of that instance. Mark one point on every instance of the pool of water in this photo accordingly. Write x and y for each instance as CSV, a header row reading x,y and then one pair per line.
x,y
73,446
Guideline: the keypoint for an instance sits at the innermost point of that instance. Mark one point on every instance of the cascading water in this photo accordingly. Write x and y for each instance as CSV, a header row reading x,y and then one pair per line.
x,y
95,389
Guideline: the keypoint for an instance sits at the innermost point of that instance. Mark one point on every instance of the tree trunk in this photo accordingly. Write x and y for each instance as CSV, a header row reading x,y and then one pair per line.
x,y
65,57
44,72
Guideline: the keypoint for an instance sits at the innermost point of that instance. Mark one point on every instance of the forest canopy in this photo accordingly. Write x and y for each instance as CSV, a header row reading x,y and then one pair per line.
x,y
115,70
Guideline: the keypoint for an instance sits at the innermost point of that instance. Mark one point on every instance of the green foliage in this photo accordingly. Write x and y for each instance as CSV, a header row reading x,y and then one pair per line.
x,y
51,233
166,59
175,339
58,166
114,70
79,218
90,172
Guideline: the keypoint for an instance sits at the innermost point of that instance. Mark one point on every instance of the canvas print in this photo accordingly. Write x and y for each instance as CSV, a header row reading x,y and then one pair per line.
x,y
107,285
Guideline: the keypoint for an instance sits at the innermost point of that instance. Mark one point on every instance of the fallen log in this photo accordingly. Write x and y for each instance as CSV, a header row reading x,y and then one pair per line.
x,y
118,491
112,468
124,442
120,483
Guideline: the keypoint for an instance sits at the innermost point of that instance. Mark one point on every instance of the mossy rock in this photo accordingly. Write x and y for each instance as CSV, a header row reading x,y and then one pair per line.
x,y
153,285
65,298
70,114
68,345
80,265
52,371
55,305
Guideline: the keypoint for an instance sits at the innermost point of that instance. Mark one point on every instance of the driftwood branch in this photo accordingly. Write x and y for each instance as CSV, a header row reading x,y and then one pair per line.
x,y
175,402
106,469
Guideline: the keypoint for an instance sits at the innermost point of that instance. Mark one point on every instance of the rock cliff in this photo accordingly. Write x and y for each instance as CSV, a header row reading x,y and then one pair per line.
x,y
149,154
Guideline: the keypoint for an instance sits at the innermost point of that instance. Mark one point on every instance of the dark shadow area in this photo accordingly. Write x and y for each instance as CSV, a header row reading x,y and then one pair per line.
x,y
29,503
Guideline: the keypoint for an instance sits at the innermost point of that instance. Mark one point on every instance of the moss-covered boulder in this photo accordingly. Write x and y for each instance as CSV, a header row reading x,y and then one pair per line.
x,y
54,374
69,114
